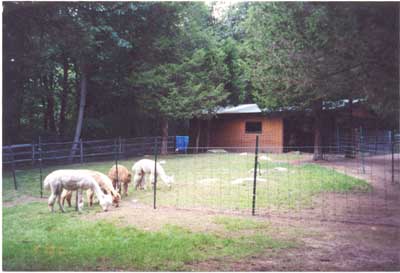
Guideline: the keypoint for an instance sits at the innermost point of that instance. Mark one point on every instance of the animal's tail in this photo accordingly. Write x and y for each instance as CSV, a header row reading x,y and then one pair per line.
x,y
46,183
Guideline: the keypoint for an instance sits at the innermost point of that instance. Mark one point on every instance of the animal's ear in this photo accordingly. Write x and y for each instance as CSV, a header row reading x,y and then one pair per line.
x,y
129,175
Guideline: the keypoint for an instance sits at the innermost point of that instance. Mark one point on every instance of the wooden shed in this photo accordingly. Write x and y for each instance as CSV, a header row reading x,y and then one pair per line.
x,y
235,128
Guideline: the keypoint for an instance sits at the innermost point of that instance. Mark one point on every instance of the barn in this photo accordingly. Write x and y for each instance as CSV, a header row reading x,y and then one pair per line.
x,y
283,130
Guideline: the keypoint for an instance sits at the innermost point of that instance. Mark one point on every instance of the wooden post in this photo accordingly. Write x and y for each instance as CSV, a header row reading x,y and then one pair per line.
x,y
253,210
362,148
81,149
33,153
40,166
155,173
338,150
13,168
392,147
116,165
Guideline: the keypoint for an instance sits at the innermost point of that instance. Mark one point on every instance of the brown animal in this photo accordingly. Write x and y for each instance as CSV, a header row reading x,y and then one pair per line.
x,y
124,178
105,184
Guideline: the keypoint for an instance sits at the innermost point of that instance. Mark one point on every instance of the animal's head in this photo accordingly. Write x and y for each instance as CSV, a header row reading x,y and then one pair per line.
x,y
116,198
170,180
106,202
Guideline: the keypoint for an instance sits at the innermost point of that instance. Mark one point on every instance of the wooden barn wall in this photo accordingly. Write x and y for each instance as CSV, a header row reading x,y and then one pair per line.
x,y
229,131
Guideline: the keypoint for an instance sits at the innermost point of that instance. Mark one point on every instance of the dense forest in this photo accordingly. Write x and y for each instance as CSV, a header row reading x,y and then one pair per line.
x,y
107,69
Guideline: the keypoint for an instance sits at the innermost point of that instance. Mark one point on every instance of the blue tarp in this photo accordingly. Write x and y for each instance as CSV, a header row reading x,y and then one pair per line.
x,y
182,143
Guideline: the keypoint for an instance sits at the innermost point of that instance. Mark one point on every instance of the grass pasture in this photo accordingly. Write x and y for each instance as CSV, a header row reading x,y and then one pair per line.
x,y
34,239
218,181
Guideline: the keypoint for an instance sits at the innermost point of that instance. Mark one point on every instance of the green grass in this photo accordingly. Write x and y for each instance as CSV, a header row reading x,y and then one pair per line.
x,y
34,239
237,224
208,180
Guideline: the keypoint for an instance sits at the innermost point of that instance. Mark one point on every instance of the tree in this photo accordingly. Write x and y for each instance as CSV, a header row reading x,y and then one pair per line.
x,y
190,81
304,54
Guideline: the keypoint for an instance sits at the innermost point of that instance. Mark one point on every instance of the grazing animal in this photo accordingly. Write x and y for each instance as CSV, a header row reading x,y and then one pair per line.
x,y
105,184
71,180
146,167
124,178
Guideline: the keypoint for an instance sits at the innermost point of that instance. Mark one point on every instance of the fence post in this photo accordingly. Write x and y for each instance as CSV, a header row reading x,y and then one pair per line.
x,y
13,168
81,149
33,153
116,151
155,173
120,145
337,140
40,166
392,146
362,150
253,211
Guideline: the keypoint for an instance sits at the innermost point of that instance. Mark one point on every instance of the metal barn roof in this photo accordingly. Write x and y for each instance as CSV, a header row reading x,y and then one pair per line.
x,y
240,109
253,108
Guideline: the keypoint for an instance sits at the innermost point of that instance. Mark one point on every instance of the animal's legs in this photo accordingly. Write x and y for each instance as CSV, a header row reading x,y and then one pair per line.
x,y
80,200
66,195
137,180
126,189
51,201
59,202
89,195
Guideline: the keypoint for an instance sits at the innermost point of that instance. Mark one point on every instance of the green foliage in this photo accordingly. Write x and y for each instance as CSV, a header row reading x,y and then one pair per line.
x,y
190,81
173,60
302,52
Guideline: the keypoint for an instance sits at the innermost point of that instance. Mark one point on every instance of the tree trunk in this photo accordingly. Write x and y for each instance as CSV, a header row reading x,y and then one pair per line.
x,y
79,122
64,96
12,94
43,85
164,132
50,104
45,120
77,87
198,131
317,111
208,133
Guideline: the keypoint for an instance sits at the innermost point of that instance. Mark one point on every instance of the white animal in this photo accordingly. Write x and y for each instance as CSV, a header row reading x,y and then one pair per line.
x,y
71,180
146,167
105,183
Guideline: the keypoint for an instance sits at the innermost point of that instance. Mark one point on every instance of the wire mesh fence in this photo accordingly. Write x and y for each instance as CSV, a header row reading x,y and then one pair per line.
x,y
286,184
361,186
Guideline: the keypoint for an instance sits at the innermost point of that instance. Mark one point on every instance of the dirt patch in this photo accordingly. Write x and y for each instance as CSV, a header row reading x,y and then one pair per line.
x,y
24,199
321,245
142,216
336,247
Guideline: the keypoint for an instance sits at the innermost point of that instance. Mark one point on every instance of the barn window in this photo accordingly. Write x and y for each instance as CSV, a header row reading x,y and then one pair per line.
x,y
253,127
